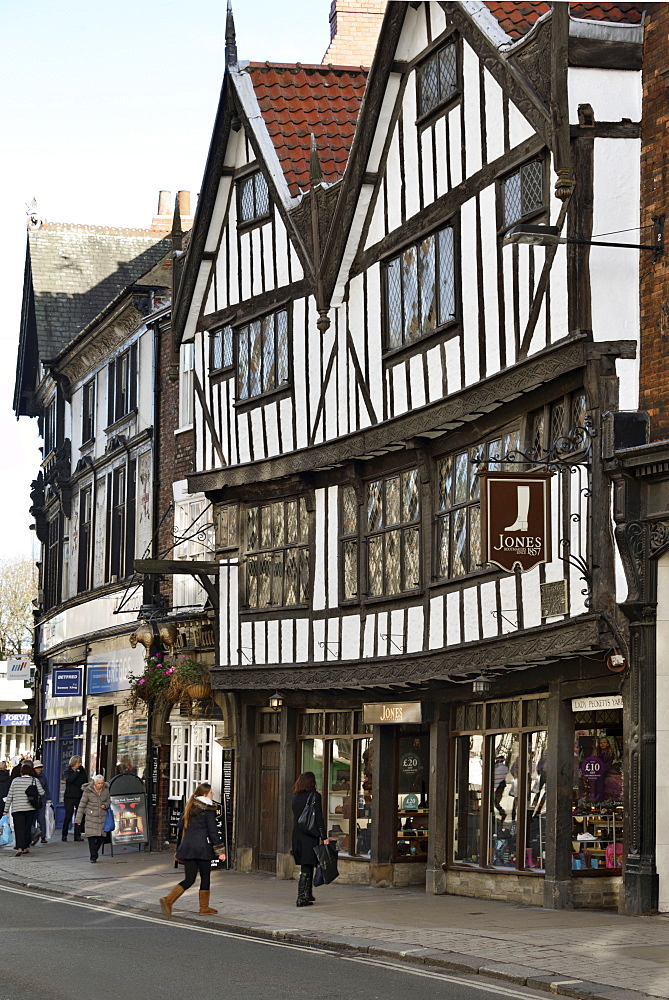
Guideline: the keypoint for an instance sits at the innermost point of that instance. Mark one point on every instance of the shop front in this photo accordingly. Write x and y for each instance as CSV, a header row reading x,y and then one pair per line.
x,y
117,734
64,731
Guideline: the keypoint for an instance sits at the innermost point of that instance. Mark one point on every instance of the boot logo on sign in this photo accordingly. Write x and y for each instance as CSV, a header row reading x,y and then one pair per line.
x,y
515,511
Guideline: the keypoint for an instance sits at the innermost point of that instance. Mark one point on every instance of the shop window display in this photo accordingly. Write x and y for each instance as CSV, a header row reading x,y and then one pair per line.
x,y
597,804
343,768
413,761
499,789
131,743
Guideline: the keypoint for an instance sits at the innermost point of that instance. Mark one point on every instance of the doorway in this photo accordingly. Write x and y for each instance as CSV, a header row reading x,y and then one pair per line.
x,y
268,811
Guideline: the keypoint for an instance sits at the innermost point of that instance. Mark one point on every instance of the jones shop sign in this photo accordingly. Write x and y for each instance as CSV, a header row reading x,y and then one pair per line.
x,y
515,519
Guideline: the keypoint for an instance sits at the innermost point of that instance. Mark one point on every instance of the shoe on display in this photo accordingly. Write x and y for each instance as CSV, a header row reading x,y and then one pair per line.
x,y
587,836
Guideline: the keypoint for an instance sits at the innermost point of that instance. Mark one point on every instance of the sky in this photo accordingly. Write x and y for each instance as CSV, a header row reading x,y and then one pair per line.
x,y
102,106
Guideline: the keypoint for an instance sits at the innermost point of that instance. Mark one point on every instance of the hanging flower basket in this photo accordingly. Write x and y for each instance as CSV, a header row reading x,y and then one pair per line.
x,y
152,683
198,690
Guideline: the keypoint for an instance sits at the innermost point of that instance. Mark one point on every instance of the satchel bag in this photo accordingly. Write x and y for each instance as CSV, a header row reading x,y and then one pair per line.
x,y
6,835
307,820
110,823
33,795
326,859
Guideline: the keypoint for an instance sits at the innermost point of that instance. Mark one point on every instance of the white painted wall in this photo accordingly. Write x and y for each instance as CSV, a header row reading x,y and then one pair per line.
x,y
613,94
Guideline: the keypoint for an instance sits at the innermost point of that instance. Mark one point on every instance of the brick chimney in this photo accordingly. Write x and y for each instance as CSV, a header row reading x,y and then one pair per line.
x,y
162,222
354,31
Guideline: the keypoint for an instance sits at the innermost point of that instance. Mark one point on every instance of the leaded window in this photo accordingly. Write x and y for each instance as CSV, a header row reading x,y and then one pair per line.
x,y
459,504
253,198
523,192
393,534
348,519
221,347
277,554
559,426
88,412
437,79
262,355
420,289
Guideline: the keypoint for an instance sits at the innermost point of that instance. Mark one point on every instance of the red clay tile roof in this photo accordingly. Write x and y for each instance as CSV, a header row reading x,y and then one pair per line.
x,y
517,18
296,100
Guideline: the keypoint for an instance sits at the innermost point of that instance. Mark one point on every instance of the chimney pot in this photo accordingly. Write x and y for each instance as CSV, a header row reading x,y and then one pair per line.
x,y
184,203
164,203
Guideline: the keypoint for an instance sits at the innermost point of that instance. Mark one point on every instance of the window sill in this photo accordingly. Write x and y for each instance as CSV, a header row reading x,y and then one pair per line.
x,y
183,430
249,224
445,332
273,395
432,116
121,421
454,866
221,374
87,445
538,215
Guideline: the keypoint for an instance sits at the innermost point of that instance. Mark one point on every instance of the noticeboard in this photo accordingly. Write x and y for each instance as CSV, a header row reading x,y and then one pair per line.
x,y
128,800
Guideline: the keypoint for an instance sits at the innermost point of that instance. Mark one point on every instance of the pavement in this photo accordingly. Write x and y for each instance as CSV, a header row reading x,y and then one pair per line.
x,y
587,954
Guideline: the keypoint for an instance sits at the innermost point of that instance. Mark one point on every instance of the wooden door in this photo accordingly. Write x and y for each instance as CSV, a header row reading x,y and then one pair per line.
x,y
268,806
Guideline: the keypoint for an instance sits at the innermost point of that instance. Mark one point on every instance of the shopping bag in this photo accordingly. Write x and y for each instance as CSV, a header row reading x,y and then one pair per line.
x,y
5,832
326,858
49,821
110,823
318,877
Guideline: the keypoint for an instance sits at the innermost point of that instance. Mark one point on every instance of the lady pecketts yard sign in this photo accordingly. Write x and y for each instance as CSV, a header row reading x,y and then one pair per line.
x,y
515,519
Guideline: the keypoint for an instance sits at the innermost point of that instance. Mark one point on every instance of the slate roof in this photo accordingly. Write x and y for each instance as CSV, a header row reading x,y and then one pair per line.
x,y
296,100
517,18
77,271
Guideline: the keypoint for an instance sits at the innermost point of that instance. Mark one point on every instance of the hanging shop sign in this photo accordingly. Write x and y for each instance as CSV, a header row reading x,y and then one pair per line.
x,y
67,682
18,670
515,519
392,714
601,703
106,676
14,719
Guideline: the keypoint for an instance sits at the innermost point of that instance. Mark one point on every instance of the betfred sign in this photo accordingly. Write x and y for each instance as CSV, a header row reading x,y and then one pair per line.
x,y
515,519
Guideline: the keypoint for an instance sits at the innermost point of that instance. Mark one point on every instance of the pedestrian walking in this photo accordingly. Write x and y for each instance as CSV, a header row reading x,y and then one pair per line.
x,y
93,805
39,830
5,782
75,779
199,843
304,843
23,810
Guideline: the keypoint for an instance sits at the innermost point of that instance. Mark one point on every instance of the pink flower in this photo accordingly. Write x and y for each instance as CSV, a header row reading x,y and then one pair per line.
x,y
142,681
170,670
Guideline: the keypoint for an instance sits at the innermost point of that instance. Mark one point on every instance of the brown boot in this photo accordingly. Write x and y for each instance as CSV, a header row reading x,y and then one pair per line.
x,y
204,902
168,901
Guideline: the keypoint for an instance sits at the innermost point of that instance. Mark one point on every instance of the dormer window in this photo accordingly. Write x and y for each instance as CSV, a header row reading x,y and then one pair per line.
x,y
253,196
437,79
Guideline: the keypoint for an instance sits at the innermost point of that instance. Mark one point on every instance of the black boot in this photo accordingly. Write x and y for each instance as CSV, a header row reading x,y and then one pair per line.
x,y
302,896
310,887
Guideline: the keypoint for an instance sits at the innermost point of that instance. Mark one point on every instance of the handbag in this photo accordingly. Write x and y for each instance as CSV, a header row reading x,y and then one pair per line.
x,y
307,820
33,795
110,823
326,859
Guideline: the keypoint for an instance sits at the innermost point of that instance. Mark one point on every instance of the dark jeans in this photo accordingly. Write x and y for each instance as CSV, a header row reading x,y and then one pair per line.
x,y
94,845
23,822
71,806
191,868
39,822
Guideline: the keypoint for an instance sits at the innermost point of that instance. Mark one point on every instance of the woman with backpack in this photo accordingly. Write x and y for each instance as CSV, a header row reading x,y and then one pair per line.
x,y
23,798
199,843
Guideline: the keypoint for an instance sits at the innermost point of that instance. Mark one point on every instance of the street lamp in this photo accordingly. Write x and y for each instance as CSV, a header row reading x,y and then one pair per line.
x,y
481,684
276,702
541,235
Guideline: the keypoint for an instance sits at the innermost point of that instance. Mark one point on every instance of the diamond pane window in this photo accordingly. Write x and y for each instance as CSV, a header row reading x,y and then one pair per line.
x,y
555,425
254,200
262,355
458,535
349,514
393,548
348,530
437,79
523,192
221,349
420,289
277,555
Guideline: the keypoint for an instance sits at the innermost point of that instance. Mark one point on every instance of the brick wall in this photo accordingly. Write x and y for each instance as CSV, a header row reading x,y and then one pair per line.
x,y
354,30
525,889
654,371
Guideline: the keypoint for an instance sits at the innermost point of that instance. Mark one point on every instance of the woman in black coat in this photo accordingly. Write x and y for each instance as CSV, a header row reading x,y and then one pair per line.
x,y
199,843
304,843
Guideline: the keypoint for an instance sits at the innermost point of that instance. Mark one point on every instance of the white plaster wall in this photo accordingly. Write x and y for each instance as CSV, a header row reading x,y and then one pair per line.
x,y
662,722
614,94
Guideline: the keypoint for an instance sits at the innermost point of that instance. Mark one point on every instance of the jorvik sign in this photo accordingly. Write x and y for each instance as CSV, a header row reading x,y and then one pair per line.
x,y
515,519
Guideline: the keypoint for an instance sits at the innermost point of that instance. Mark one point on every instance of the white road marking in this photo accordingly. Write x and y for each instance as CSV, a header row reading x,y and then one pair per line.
x,y
360,959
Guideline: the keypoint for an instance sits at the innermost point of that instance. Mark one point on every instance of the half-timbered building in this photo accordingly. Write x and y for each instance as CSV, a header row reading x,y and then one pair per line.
x,y
365,342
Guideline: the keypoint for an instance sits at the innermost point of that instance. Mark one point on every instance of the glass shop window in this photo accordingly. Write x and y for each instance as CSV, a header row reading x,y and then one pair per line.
x,y
499,784
413,769
598,812
343,768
